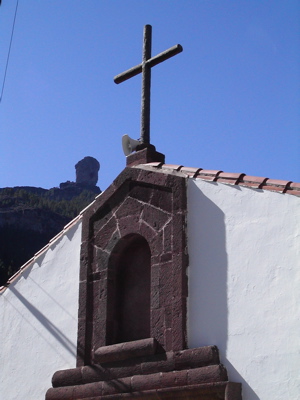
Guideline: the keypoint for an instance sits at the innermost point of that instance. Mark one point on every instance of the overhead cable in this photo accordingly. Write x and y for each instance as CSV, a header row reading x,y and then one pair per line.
x,y
11,38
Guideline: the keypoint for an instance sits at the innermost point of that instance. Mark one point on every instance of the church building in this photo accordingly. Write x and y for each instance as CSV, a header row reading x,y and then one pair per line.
x,y
174,283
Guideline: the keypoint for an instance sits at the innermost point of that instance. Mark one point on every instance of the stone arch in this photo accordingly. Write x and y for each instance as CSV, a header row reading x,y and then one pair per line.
x,y
141,206
131,262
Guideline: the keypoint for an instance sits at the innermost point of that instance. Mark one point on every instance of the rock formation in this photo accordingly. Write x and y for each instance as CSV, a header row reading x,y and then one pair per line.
x,y
87,171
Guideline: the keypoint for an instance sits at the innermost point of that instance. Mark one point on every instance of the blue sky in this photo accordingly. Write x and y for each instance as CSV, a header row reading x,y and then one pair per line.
x,y
230,101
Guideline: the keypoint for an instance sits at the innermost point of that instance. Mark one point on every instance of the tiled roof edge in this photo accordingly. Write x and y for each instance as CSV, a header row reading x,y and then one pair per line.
x,y
241,179
39,253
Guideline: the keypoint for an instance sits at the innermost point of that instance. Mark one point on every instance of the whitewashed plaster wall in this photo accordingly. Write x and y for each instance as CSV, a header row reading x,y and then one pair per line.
x,y
38,317
244,284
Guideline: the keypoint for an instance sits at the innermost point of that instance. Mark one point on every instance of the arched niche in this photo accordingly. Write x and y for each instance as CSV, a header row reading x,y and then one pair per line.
x,y
141,209
131,263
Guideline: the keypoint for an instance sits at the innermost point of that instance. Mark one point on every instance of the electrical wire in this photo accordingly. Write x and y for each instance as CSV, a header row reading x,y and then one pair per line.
x,y
11,38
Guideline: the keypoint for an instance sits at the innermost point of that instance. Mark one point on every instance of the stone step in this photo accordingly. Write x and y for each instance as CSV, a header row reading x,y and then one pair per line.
x,y
183,380
165,362
208,391
125,351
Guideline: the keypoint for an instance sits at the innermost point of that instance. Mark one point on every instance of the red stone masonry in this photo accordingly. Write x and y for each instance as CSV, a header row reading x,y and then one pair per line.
x,y
140,220
187,374
152,206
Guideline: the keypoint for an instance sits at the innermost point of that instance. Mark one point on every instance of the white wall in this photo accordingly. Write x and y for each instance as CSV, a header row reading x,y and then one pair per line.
x,y
38,320
244,284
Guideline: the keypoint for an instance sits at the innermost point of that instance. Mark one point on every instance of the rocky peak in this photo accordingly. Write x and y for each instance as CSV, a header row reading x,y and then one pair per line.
x,y
87,171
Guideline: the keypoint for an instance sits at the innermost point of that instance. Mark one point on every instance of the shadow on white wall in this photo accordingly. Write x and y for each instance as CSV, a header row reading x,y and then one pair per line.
x,y
208,269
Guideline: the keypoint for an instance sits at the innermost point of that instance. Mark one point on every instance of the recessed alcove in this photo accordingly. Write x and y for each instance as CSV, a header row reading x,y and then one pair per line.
x,y
131,262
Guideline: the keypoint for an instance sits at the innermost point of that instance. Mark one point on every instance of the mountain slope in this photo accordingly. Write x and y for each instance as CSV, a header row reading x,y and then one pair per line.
x,y
30,217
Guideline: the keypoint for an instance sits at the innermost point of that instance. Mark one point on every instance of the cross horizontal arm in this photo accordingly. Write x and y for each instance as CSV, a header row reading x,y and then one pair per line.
x,y
123,76
172,51
165,55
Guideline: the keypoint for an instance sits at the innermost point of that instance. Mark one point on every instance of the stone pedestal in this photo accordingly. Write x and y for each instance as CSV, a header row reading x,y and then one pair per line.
x,y
136,371
144,154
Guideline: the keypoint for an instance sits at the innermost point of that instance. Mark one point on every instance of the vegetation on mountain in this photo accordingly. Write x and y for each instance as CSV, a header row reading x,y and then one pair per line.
x,y
30,217
20,198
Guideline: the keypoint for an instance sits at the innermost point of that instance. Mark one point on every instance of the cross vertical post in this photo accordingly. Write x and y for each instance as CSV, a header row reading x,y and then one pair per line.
x,y
146,86
145,69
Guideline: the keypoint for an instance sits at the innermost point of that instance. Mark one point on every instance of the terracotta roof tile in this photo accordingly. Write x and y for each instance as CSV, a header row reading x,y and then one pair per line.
x,y
231,178
190,171
208,174
176,167
71,223
255,182
12,278
55,238
293,188
277,182
42,250
294,192
27,263
295,185
276,185
241,179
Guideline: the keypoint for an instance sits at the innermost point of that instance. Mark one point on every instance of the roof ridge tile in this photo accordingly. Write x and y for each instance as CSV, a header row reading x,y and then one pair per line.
x,y
295,185
256,182
176,167
208,174
276,185
229,177
190,171
242,179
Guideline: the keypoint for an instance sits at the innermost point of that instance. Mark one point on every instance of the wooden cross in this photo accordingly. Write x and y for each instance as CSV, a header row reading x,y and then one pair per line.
x,y
145,68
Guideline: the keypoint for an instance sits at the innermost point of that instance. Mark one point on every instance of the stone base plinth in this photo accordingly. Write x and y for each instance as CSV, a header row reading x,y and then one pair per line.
x,y
144,155
187,374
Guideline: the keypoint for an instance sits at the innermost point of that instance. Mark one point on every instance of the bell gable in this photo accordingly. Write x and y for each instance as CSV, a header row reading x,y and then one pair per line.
x,y
133,282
